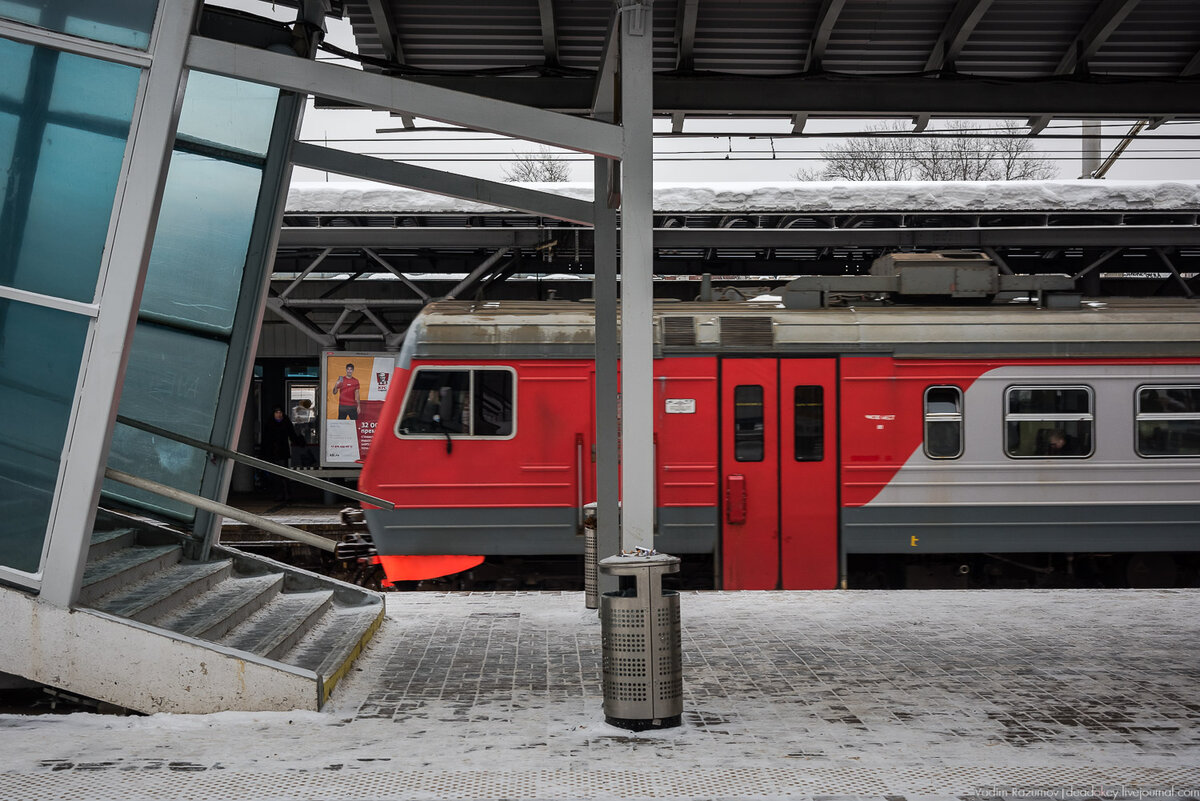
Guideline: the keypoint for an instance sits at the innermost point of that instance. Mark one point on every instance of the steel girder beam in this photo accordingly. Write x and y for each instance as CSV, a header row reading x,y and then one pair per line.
x,y
371,90
959,26
475,275
827,17
301,323
1107,17
381,16
474,238
683,238
549,34
1193,66
685,33
844,95
505,196
1049,236
602,102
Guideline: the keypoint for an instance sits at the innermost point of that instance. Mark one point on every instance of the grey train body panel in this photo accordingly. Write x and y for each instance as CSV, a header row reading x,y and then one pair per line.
x,y
1079,528
528,531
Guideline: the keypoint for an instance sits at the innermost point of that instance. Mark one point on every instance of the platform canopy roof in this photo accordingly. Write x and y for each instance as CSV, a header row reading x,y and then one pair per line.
x,y
1033,59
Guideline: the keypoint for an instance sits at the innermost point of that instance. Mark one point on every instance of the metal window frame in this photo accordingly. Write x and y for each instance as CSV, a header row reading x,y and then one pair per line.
x,y
1139,417
945,417
459,368
1072,417
119,286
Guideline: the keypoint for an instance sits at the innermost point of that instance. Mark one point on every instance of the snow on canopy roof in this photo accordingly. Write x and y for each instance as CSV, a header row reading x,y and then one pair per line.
x,y
790,197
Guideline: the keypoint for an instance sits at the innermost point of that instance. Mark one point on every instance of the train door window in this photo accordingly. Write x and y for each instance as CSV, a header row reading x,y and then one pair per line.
x,y
943,422
748,418
1168,421
476,402
1048,422
809,416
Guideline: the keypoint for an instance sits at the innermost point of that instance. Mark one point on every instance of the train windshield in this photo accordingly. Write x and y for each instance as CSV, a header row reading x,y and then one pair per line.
x,y
474,402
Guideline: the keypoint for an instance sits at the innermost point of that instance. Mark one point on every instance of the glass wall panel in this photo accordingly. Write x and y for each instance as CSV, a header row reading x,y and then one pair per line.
x,y
173,381
40,352
224,111
200,247
120,22
60,164
14,71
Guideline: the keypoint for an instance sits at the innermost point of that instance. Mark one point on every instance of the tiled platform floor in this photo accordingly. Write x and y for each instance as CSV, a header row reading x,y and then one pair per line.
x,y
1016,694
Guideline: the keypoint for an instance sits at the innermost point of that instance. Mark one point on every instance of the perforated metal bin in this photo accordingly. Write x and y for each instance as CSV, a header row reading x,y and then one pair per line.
x,y
640,642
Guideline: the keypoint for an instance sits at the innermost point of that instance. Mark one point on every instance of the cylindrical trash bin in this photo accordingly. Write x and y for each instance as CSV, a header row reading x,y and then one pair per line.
x,y
640,643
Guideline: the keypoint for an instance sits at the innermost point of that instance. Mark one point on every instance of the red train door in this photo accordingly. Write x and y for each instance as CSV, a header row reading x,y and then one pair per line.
x,y
779,473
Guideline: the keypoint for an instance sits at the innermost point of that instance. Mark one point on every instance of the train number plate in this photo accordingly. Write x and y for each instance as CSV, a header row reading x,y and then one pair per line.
x,y
681,405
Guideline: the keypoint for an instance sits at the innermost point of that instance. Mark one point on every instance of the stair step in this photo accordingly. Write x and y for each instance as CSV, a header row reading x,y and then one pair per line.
x,y
231,602
277,627
125,567
166,590
334,640
106,543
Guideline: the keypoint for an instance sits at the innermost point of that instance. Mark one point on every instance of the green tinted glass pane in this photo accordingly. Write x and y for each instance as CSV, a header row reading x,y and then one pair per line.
x,y
60,164
228,112
120,22
173,381
200,246
14,71
40,352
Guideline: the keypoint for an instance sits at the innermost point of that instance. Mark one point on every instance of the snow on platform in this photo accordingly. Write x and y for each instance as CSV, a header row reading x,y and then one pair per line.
x,y
934,694
790,197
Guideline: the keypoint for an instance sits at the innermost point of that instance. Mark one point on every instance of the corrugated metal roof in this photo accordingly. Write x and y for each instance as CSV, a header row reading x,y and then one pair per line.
x,y
1013,38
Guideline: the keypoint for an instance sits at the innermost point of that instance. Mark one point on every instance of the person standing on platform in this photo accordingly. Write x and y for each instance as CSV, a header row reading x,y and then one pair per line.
x,y
279,435
346,390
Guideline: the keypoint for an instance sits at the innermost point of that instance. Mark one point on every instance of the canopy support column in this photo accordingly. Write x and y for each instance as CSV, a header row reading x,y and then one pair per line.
x,y
637,286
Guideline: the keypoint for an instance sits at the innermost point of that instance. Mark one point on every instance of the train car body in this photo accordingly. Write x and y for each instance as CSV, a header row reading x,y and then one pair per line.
x,y
788,441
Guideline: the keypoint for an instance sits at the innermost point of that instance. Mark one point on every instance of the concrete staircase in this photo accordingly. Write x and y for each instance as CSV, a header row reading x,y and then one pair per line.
x,y
154,632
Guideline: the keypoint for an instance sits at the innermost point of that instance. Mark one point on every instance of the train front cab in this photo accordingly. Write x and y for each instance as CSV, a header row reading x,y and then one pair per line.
x,y
496,458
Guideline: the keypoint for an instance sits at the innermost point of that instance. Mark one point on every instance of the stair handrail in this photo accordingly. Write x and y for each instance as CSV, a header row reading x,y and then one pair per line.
x,y
260,464
208,505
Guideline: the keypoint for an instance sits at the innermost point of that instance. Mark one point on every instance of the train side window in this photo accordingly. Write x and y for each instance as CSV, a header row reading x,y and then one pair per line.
x,y
748,417
809,418
1052,422
1168,421
476,402
943,422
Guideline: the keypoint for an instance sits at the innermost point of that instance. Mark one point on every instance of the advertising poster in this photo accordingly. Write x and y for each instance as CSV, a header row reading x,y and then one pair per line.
x,y
355,386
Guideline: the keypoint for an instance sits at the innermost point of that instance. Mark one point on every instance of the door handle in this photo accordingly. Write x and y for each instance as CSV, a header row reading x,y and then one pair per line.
x,y
735,499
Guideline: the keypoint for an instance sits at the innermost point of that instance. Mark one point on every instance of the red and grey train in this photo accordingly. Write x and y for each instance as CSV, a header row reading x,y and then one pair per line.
x,y
807,448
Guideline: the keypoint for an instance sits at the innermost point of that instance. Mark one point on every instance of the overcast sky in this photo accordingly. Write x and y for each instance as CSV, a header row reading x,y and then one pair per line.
x,y
768,155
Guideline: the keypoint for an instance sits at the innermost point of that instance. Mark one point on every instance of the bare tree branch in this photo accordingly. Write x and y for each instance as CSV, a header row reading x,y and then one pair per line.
x,y
962,153
543,166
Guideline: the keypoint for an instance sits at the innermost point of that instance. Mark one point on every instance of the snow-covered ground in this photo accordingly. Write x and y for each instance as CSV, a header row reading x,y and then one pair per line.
x,y
861,694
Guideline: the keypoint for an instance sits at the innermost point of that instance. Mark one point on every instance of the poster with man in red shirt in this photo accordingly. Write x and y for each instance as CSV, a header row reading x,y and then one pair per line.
x,y
356,386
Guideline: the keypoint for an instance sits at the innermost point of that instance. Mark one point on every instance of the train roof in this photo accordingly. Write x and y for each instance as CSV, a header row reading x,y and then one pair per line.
x,y
1115,328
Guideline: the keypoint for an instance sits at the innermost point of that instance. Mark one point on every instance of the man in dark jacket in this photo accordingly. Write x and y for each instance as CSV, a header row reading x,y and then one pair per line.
x,y
278,437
